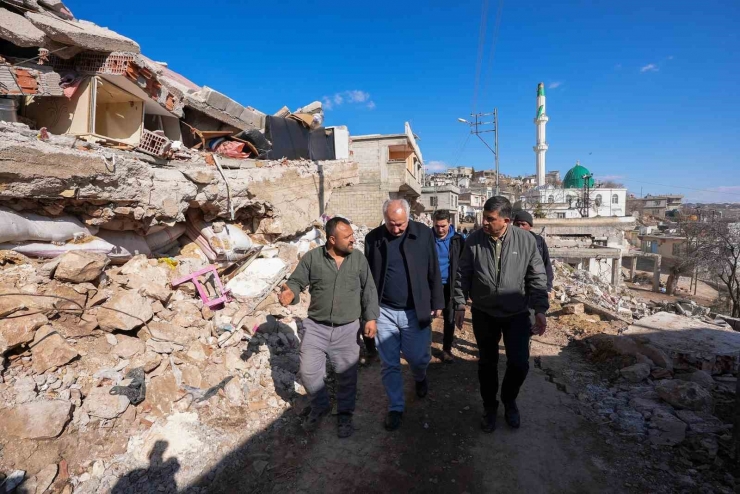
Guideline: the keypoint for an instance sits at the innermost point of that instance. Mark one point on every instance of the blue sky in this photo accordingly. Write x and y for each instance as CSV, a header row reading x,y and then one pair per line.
x,y
642,92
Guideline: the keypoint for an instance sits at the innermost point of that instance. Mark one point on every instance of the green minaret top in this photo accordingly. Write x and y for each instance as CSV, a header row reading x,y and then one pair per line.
x,y
541,89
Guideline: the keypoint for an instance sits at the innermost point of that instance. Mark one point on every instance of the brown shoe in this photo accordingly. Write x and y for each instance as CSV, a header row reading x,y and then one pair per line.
x,y
447,357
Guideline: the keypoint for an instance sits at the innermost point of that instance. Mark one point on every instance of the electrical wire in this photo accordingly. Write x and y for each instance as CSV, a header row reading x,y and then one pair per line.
x,y
481,51
687,188
491,55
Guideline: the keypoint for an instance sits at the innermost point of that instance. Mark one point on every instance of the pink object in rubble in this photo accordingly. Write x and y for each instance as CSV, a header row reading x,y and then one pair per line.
x,y
201,289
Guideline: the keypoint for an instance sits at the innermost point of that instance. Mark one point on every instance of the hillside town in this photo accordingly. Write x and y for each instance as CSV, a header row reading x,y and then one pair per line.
x,y
148,226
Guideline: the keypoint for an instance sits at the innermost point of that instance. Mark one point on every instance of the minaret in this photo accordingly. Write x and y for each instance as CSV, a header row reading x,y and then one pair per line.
x,y
540,121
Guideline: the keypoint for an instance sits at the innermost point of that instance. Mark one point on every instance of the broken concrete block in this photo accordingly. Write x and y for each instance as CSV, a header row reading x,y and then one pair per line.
x,y
669,430
45,477
50,350
19,329
35,420
168,332
80,266
702,378
20,31
100,403
125,311
128,346
162,393
636,373
83,34
574,309
256,282
683,394
253,117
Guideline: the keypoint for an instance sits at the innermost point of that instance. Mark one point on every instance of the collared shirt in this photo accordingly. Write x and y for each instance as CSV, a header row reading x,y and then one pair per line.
x,y
497,244
397,286
338,295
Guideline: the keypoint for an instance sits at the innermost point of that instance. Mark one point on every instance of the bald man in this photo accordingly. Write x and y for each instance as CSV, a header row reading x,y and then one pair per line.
x,y
403,261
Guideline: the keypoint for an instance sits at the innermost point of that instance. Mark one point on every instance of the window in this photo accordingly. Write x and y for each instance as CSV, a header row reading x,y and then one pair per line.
x,y
560,216
570,201
551,199
677,249
598,200
433,201
615,199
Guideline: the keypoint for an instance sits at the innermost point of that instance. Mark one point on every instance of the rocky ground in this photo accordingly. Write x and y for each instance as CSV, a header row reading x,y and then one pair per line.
x,y
220,406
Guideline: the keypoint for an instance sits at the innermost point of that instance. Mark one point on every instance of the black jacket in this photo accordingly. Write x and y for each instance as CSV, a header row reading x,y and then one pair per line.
x,y
545,254
421,260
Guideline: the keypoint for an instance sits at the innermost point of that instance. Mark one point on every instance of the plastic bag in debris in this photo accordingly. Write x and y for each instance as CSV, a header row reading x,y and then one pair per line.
x,y
48,250
29,227
258,139
219,241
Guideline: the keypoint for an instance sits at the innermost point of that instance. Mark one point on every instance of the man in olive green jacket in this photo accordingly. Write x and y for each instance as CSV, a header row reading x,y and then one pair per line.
x,y
342,291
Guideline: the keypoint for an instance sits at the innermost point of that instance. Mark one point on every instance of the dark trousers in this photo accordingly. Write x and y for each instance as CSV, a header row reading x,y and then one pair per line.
x,y
516,331
449,317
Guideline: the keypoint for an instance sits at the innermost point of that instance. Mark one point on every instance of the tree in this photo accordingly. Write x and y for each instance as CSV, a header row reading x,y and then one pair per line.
x,y
610,184
539,211
693,251
723,261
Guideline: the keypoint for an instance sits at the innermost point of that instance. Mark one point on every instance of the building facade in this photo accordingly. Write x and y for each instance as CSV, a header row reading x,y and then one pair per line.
x,y
391,167
446,197
656,206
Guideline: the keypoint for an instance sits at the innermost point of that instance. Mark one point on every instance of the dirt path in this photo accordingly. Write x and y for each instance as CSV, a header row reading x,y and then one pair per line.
x,y
439,448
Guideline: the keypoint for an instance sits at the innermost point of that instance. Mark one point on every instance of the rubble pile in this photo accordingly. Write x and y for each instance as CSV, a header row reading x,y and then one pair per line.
x,y
666,379
102,360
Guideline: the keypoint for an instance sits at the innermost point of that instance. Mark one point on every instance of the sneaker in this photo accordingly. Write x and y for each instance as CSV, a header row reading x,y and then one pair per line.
x,y
511,414
314,420
393,421
447,357
344,425
488,421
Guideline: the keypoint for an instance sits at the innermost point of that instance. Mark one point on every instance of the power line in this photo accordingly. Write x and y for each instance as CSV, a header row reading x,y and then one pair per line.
x,y
481,51
462,148
496,29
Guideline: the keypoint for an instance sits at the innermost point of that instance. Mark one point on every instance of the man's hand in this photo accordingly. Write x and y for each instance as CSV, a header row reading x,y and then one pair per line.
x,y
436,313
371,329
286,296
459,318
540,325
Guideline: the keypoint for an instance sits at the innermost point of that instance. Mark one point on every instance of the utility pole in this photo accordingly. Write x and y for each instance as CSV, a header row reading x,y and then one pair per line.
x,y
477,128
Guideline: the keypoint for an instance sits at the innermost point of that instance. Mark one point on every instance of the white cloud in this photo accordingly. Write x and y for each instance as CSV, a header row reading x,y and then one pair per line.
x,y
436,166
554,85
610,177
651,67
353,96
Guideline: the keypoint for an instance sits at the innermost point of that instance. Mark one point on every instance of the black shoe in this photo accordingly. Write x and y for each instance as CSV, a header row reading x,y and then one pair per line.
x,y
314,420
344,425
369,358
422,388
488,421
511,414
393,421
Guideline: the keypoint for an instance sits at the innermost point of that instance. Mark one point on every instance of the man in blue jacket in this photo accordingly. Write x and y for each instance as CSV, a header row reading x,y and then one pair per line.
x,y
449,245
404,265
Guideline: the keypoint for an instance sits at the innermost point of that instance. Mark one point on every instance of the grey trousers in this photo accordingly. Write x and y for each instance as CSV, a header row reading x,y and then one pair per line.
x,y
342,345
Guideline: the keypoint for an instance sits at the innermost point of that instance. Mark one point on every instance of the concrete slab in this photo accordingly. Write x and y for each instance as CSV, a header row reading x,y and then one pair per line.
x,y
690,342
83,34
20,31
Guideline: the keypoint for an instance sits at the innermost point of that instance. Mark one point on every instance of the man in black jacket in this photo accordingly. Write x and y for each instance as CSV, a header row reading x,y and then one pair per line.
x,y
502,272
524,220
449,245
404,265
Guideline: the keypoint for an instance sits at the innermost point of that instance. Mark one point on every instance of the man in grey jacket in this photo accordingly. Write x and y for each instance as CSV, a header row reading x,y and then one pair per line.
x,y
342,290
502,272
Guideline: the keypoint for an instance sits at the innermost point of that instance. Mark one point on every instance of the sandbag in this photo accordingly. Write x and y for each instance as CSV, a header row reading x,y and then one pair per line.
x,y
126,244
165,239
230,244
28,227
47,250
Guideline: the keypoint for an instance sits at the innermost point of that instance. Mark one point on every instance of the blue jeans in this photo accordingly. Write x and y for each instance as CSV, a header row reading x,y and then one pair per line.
x,y
399,331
